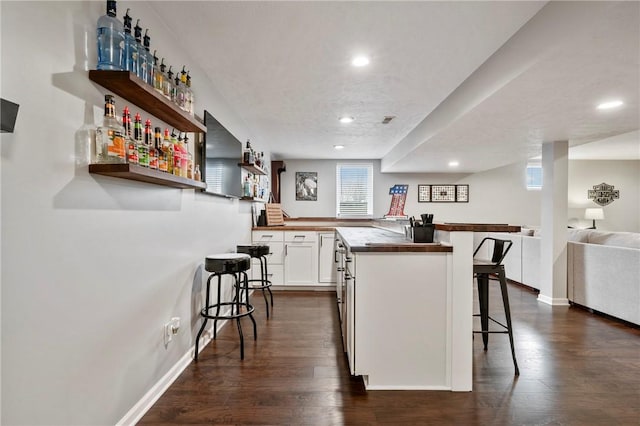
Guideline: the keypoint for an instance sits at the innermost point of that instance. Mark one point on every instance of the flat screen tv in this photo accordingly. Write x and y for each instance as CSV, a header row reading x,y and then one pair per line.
x,y
221,153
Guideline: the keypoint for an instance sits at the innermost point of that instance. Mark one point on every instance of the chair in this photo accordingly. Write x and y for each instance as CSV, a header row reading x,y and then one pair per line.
x,y
493,270
263,283
236,265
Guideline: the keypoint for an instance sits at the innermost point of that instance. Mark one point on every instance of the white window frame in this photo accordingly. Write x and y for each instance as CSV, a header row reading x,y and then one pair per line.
x,y
368,188
531,166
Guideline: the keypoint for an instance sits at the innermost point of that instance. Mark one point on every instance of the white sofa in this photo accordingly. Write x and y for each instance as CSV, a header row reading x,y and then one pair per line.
x,y
603,268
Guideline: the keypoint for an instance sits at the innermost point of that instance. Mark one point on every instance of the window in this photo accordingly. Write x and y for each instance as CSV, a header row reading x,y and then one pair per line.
x,y
534,176
354,190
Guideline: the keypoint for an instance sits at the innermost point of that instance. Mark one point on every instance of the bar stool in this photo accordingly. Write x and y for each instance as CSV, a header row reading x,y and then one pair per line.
x,y
485,271
259,252
234,264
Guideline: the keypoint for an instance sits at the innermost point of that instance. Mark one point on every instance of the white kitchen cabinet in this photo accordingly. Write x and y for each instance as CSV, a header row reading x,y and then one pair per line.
x,y
326,258
300,258
275,258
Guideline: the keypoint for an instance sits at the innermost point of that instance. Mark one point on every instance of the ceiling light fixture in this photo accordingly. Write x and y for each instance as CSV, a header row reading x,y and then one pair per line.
x,y
338,147
360,61
453,164
346,119
610,104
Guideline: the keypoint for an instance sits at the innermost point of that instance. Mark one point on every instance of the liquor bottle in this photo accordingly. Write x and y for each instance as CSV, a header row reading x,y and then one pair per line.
x,y
169,87
110,36
167,147
162,155
179,92
189,172
150,65
158,75
148,140
190,97
130,47
247,155
247,187
184,156
177,154
110,136
166,81
197,175
132,147
143,149
182,103
143,67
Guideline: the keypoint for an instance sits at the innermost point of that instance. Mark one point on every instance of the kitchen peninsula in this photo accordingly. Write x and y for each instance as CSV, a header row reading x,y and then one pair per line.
x,y
406,308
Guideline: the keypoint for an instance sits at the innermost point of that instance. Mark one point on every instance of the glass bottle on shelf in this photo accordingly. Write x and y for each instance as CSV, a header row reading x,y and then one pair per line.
x,y
167,147
189,174
184,156
247,187
146,41
248,154
162,155
158,76
130,47
170,89
148,140
143,149
132,147
142,55
183,84
190,97
110,37
177,154
179,91
197,175
110,136
166,81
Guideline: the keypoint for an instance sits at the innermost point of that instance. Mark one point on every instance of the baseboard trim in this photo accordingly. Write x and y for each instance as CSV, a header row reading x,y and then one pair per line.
x,y
553,301
145,403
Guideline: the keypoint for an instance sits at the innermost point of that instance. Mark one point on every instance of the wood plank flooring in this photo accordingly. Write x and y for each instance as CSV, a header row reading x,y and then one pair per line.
x,y
576,368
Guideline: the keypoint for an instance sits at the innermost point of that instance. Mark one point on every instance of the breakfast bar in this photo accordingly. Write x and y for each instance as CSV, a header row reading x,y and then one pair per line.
x,y
406,307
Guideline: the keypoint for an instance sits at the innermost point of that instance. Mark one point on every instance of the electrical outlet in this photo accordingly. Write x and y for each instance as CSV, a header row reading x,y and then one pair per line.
x,y
170,329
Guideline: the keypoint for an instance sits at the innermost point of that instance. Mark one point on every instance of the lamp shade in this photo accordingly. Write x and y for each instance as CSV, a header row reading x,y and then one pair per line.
x,y
594,214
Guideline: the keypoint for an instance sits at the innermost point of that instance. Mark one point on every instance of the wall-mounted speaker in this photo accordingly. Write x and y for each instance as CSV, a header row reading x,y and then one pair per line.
x,y
9,112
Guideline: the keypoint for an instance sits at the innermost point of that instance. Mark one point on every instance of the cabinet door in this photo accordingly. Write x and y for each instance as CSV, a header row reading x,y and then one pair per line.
x,y
349,321
301,263
326,259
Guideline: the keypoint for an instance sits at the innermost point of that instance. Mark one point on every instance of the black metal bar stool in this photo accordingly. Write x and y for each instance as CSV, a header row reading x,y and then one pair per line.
x,y
234,264
485,271
263,283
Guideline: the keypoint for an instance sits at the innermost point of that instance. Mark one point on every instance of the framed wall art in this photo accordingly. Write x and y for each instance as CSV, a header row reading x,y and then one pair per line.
x,y
443,193
306,186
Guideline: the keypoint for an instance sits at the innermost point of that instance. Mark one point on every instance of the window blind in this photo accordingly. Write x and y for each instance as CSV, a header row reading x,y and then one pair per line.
x,y
354,190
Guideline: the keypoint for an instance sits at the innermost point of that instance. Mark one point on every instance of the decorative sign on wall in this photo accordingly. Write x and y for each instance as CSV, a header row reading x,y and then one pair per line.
x,y
398,198
443,193
603,194
306,186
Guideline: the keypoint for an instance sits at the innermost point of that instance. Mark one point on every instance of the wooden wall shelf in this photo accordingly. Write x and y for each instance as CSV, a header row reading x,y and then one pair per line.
x,y
253,199
252,168
130,87
144,174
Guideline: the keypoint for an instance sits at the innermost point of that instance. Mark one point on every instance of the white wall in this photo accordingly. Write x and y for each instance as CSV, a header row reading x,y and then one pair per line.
x,y
495,196
622,214
92,267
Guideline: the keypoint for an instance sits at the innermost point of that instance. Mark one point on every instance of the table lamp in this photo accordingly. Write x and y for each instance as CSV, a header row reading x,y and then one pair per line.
x,y
594,214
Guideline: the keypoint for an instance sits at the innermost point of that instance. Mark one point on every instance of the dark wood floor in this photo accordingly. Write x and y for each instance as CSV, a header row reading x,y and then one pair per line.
x,y
575,369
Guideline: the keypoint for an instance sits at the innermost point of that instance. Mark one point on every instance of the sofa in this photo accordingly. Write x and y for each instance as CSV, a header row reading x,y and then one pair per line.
x,y
603,268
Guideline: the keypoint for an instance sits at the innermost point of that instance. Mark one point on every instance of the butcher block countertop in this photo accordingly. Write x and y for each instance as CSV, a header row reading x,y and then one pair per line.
x,y
364,239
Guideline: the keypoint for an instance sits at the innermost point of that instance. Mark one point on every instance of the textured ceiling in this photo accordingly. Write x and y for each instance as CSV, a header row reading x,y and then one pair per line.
x,y
484,83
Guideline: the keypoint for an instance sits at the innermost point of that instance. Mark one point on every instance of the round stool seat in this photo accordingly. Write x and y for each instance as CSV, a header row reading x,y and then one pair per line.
x,y
227,263
254,250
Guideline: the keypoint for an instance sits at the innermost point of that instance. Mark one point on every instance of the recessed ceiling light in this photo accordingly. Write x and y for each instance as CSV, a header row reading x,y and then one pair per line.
x,y
338,146
453,164
360,61
346,119
610,104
